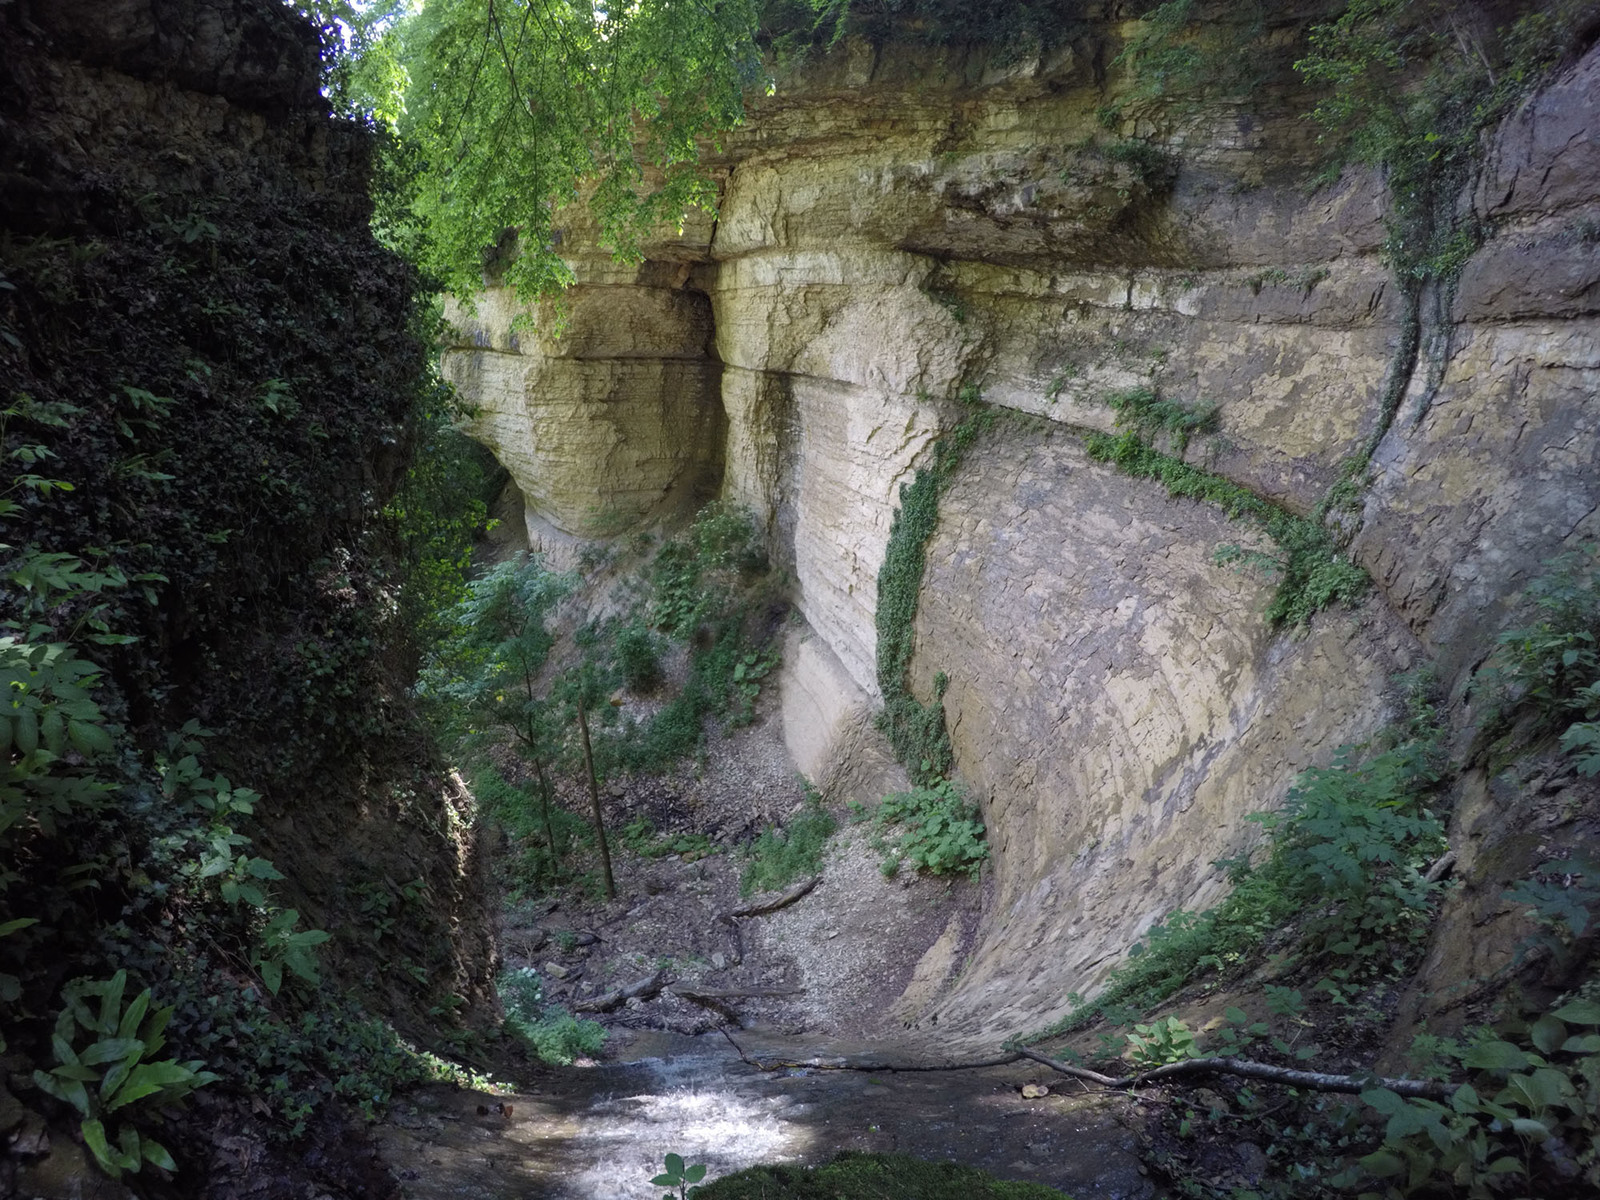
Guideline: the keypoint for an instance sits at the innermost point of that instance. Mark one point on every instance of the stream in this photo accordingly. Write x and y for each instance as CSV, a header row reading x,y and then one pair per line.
x,y
602,1131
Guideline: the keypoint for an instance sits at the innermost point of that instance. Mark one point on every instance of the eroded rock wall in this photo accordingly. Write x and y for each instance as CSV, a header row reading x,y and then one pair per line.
x,y
897,224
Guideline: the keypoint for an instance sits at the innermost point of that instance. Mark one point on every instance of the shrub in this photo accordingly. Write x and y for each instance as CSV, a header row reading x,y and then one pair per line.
x,y
637,653
782,855
935,828
549,1030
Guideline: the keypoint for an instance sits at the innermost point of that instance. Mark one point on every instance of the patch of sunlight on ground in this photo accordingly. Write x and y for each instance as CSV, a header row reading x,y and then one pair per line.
x,y
679,1107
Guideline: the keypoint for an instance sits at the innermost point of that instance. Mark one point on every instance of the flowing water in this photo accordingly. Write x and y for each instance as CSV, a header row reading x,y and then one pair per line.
x,y
601,1132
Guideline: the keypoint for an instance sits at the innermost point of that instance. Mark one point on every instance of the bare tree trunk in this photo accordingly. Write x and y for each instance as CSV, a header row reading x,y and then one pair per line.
x,y
544,797
594,800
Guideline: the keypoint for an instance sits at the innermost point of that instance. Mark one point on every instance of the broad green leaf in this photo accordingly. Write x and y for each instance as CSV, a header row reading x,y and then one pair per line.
x,y
156,1154
76,1071
111,1050
1385,1101
1496,1056
134,1014
111,1003
1579,1012
94,1137
1548,1033
1529,1128
695,1173
149,1078
674,1164
1381,1164
10,927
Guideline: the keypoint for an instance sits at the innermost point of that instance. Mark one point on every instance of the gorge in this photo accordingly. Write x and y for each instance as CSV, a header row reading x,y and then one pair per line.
x,y
1133,457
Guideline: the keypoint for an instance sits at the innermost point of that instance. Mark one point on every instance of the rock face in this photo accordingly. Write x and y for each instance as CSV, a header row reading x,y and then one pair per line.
x,y
898,224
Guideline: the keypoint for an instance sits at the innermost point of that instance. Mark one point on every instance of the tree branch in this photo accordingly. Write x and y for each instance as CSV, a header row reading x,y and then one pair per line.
x,y
1317,1081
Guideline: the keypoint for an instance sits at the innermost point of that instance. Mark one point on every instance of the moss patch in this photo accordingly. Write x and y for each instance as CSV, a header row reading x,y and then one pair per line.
x,y
874,1176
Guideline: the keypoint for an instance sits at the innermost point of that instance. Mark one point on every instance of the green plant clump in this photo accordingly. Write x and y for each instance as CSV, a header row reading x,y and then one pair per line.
x,y
880,1176
780,856
1346,859
1146,412
1527,1125
1549,671
116,1068
934,828
1311,571
916,731
549,1030
703,583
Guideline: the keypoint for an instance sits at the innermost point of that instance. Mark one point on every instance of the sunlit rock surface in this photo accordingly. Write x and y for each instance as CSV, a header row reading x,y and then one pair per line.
x,y
899,224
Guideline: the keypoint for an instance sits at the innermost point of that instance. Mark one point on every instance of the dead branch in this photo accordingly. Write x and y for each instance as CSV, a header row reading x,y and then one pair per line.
x,y
761,907
1314,1080
643,989
844,1064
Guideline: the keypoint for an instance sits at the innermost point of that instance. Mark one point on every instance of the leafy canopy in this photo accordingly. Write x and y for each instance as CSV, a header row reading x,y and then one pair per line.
x,y
509,104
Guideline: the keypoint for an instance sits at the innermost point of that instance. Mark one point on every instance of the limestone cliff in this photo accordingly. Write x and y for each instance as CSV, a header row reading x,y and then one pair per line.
x,y
897,222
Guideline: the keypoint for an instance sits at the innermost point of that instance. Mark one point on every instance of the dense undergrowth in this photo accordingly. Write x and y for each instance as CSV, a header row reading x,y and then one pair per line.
x,y
212,382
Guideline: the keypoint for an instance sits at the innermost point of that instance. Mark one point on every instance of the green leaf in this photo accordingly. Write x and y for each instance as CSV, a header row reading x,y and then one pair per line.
x,y
1385,1101
156,1154
134,1014
1583,1043
695,1173
1381,1164
1529,1128
675,1164
1495,1056
271,975
94,1137
75,1071
111,1002
665,1181
111,1050
1548,1033
1579,1012
10,927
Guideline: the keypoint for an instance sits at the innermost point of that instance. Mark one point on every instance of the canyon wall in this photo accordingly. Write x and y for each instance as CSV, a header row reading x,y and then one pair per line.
x,y
897,224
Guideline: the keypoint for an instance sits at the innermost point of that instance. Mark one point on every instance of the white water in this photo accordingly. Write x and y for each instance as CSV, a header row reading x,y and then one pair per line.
x,y
692,1105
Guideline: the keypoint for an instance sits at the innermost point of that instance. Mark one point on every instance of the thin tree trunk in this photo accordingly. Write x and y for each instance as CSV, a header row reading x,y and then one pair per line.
x,y
544,797
594,800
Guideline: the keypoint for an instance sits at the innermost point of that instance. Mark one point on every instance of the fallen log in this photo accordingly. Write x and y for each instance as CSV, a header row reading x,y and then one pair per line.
x,y
762,905
1317,1081
841,1063
642,989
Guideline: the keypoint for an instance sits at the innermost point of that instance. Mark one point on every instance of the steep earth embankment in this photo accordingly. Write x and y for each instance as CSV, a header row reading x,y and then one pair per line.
x,y
896,223
227,370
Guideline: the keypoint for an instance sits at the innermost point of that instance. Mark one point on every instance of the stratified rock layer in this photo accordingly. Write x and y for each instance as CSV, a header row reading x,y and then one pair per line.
x,y
897,225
